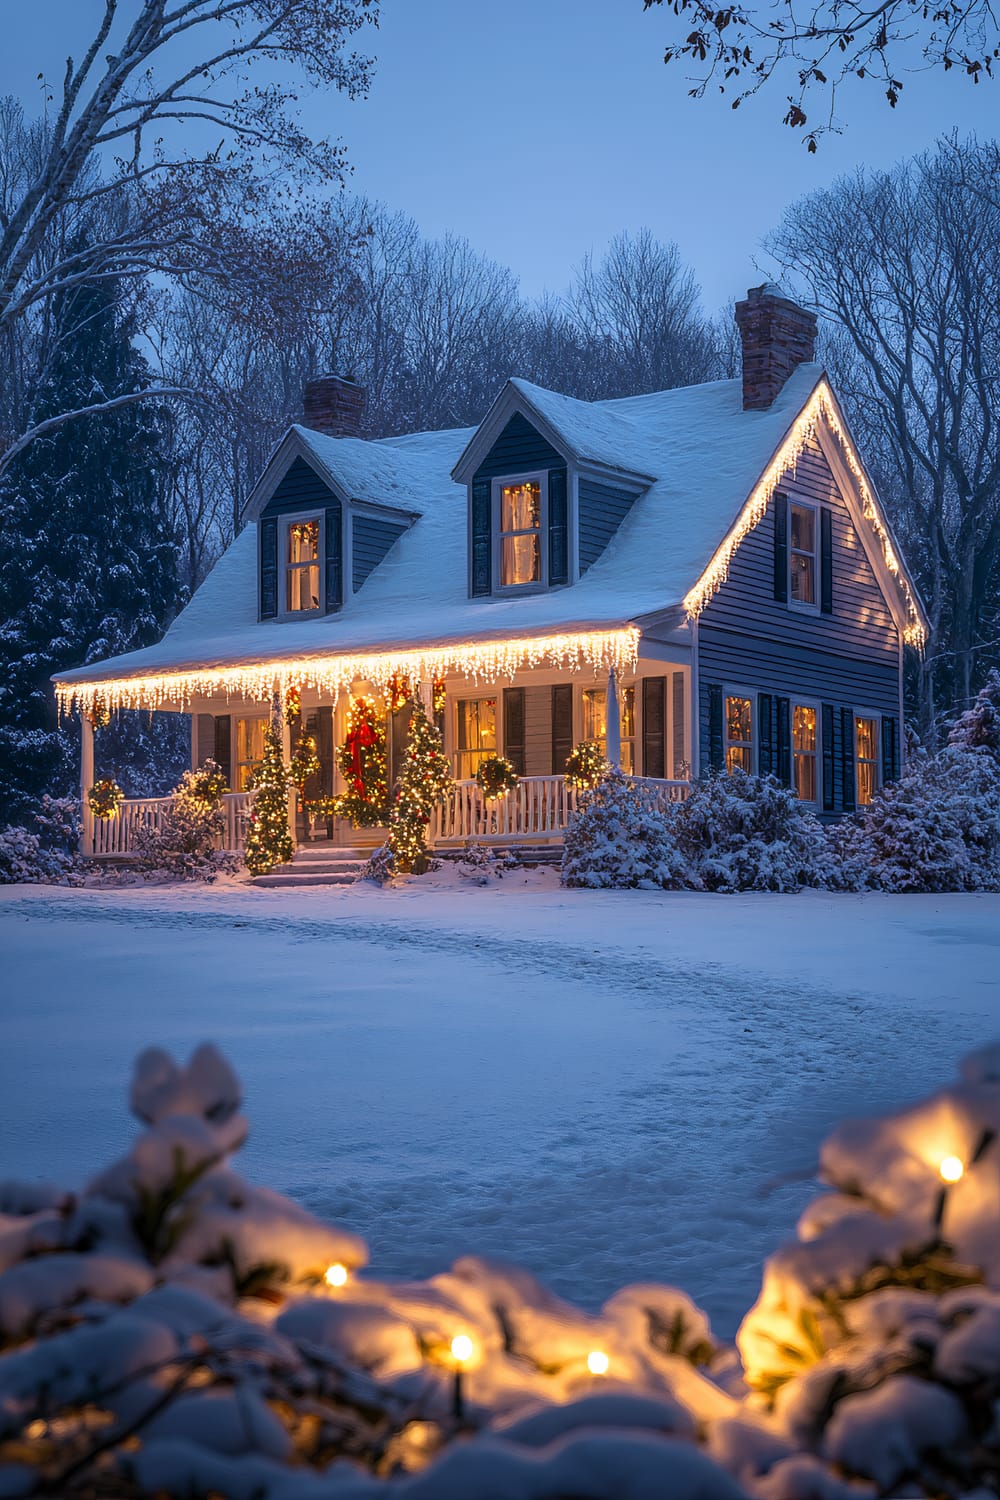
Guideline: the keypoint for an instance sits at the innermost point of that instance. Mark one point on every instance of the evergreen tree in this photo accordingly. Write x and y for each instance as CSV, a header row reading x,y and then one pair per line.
x,y
269,842
88,567
979,726
423,782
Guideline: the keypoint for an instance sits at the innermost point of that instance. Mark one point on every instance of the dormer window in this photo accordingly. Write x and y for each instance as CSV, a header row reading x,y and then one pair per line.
x,y
302,550
520,503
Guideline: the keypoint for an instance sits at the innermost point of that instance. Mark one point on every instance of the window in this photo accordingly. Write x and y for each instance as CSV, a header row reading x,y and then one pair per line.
x,y
739,733
249,749
802,555
595,722
866,758
302,566
804,723
521,533
477,734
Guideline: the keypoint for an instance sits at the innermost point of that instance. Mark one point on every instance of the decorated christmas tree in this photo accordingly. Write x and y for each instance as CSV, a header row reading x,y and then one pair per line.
x,y
424,781
269,841
364,764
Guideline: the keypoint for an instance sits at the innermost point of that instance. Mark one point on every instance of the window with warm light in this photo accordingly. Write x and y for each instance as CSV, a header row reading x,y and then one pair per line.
x,y
302,566
804,749
249,749
477,734
739,733
866,753
595,722
802,554
521,533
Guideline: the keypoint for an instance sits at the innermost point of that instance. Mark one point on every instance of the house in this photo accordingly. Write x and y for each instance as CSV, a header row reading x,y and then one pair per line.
x,y
712,563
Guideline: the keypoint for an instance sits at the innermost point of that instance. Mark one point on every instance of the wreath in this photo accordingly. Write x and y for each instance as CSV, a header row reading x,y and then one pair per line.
x,y
99,713
495,777
208,784
587,766
364,764
105,798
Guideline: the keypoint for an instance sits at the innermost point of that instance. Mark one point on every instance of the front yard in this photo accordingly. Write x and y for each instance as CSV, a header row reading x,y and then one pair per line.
x,y
604,1086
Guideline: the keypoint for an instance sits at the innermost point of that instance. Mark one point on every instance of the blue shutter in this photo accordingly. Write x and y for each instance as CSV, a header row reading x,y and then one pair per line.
x,y
826,561
716,744
333,532
828,788
558,532
654,727
513,728
267,538
765,735
222,750
562,726
847,758
890,749
781,548
482,538
783,759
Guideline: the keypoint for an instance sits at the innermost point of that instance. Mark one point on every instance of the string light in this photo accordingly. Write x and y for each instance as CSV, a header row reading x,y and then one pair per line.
x,y
461,1348
951,1169
485,661
336,1275
597,1362
820,406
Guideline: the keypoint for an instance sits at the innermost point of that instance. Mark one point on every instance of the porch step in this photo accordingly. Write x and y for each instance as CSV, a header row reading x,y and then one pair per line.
x,y
285,880
318,864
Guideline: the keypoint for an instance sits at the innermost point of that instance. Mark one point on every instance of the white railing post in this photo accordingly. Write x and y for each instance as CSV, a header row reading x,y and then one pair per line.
x,y
86,782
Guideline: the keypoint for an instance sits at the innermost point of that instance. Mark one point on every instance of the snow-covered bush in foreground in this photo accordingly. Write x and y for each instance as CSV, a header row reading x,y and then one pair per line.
x,y
174,1330
738,832
46,853
186,844
935,829
620,838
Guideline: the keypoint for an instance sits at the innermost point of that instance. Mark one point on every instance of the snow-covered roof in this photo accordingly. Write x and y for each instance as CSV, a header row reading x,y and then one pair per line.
x,y
703,452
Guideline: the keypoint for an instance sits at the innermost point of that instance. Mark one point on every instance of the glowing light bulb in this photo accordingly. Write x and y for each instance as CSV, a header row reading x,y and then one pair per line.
x,y
597,1362
461,1348
336,1275
951,1169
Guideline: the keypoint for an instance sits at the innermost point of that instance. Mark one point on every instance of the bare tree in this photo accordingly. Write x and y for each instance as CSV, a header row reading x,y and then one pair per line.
x,y
129,127
818,46
906,266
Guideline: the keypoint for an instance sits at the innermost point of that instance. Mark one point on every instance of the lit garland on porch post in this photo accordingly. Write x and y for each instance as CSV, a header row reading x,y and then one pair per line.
x,y
423,782
269,841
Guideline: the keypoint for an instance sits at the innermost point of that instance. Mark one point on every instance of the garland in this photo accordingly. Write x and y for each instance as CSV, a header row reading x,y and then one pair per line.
x,y
364,764
305,762
293,705
587,766
99,713
105,798
495,777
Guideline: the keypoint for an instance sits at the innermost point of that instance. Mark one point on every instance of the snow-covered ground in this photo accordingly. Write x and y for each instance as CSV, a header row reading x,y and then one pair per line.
x,y
605,1086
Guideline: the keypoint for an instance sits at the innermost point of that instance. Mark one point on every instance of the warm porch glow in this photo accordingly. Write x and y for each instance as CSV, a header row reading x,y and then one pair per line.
x,y
820,405
596,651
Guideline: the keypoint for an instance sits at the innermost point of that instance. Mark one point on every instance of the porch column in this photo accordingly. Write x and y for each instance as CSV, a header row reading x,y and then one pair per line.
x,y
86,782
286,755
613,723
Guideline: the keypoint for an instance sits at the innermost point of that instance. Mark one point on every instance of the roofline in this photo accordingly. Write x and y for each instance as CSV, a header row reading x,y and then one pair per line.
x,y
294,445
513,399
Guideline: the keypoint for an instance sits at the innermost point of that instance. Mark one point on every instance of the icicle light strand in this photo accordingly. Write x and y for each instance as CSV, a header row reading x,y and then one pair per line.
x,y
820,406
485,661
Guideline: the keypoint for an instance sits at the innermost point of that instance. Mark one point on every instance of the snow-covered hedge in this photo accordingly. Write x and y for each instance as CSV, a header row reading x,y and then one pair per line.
x,y
738,832
174,1330
620,838
46,852
186,843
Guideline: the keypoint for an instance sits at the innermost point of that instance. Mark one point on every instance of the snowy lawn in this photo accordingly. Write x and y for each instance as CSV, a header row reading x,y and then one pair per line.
x,y
606,1087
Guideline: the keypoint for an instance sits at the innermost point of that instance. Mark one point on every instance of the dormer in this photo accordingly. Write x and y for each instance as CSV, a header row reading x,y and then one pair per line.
x,y
318,539
540,513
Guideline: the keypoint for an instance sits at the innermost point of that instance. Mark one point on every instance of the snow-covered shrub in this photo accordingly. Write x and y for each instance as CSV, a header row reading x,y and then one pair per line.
x,y
378,866
620,838
176,1330
979,726
738,832
481,863
935,829
46,854
185,843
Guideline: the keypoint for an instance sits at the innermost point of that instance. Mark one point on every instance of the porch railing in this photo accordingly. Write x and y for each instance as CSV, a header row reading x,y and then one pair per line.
x,y
539,807
111,837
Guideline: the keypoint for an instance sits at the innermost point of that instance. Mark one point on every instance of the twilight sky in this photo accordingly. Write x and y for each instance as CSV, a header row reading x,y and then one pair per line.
x,y
539,128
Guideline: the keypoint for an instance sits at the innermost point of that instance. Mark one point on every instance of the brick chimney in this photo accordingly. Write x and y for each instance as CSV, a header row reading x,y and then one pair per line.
x,y
333,404
777,336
